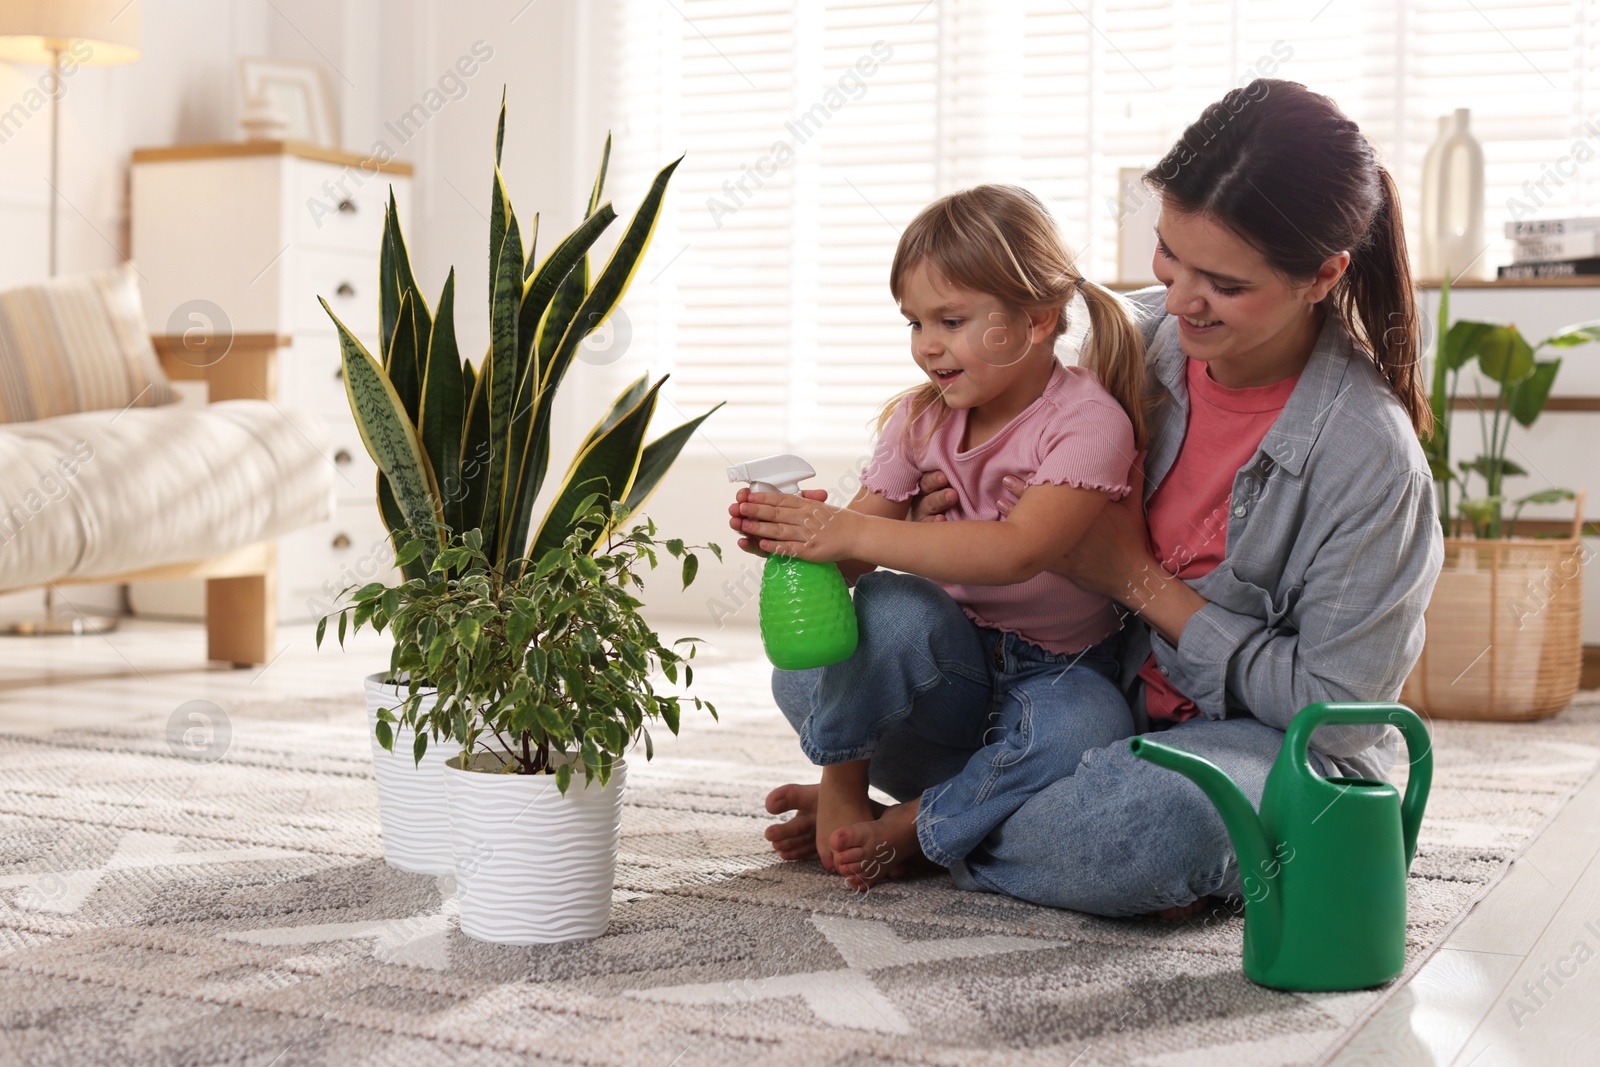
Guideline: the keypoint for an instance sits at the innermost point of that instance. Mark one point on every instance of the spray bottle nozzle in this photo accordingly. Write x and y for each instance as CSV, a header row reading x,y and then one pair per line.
x,y
773,474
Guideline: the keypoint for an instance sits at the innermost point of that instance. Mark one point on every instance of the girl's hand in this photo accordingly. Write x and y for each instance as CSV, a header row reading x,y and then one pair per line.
x,y
934,498
1113,555
748,544
799,526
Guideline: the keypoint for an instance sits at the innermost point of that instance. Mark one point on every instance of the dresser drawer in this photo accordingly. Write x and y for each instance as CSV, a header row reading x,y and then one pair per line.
x,y
348,281
311,374
356,476
316,563
342,207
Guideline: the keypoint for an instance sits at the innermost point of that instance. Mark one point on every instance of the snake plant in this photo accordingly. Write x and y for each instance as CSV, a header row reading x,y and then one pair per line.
x,y
462,447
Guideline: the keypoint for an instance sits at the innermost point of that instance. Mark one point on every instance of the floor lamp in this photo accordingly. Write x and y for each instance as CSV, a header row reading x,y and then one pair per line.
x,y
65,35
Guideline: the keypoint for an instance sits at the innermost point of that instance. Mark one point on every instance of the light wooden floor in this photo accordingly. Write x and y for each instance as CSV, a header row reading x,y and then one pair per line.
x,y
1517,983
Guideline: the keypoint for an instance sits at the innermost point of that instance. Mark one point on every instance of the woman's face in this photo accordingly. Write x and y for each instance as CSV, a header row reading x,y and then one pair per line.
x,y
1234,311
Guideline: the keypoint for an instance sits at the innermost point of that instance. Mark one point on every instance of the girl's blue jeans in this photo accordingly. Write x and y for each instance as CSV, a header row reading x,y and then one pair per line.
x,y
1086,825
1024,715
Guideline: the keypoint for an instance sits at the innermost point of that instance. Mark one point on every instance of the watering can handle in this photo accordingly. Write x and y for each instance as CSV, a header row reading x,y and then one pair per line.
x,y
1419,748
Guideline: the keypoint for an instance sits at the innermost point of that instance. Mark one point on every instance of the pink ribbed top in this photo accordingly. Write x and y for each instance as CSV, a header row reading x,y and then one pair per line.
x,y
1075,433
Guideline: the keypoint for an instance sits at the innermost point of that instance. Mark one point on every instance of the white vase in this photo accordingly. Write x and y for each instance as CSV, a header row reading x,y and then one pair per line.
x,y
532,866
411,806
1456,206
1428,249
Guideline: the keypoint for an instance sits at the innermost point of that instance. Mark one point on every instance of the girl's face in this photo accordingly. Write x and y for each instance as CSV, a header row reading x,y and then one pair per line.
x,y
1234,311
967,343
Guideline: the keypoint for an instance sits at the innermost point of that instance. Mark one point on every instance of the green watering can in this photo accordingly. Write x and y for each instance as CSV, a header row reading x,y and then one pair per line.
x,y
1323,868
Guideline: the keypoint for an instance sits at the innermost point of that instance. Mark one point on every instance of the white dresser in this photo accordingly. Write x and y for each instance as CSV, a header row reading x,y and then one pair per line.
x,y
241,239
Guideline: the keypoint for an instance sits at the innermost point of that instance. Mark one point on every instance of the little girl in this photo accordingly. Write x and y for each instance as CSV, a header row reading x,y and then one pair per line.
x,y
975,635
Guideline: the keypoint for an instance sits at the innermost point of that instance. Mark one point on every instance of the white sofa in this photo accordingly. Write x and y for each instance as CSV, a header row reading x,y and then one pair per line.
x,y
171,491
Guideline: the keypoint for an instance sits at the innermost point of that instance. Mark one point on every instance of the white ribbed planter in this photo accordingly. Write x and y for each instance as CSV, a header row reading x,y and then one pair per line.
x,y
411,805
533,866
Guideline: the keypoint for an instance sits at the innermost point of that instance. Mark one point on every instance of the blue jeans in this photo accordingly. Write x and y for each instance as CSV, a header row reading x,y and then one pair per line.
x,y
1110,834
1021,715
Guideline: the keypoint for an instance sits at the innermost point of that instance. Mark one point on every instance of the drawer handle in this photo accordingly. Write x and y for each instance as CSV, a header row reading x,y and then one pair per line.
x,y
347,207
338,373
342,457
346,289
341,541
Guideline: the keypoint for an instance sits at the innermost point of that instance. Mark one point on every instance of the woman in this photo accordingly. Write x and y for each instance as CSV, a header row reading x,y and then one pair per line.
x,y
1292,542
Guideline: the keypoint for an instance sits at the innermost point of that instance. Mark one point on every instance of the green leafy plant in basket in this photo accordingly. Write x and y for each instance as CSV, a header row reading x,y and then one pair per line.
x,y
545,667
1505,357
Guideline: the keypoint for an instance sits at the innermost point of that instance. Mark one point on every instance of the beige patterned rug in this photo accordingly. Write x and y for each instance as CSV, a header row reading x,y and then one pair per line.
x,y
156,909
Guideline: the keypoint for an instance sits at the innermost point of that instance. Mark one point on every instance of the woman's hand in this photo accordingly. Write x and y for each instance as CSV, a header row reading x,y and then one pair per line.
x,y
934,498
736,518
799,526
1113,555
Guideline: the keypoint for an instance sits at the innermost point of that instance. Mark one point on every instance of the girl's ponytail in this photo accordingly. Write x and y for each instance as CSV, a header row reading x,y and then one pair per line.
x,y
1114,352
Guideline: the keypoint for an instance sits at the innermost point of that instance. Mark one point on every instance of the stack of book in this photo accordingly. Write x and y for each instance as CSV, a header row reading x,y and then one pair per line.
x,y
1554,248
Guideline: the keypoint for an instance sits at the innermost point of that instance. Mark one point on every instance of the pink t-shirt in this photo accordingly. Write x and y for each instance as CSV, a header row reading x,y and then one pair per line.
x,y
1074,434
1188,512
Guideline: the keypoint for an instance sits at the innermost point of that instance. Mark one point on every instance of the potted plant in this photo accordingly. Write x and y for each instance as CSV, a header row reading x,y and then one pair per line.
x,y
1503,633
542,672
462,447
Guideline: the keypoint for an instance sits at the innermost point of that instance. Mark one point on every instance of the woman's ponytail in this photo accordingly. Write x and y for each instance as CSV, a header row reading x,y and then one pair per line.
x,y
1114,352
1378,305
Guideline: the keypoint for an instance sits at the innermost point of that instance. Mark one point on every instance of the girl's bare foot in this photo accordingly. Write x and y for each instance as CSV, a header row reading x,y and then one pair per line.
x,y
796,838
868,852
841,801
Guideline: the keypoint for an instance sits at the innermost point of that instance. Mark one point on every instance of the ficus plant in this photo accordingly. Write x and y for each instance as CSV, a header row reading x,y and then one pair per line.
x,y
547,666
1505,357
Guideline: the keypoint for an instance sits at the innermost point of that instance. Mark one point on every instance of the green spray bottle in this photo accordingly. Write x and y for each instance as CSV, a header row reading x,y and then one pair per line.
x,y
807,616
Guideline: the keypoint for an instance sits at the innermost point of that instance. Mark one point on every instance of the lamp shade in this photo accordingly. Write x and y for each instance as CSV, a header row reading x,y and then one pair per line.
x,y
30,30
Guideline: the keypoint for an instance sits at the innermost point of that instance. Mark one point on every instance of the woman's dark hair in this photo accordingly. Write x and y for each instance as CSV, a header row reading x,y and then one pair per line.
x,y
1286,170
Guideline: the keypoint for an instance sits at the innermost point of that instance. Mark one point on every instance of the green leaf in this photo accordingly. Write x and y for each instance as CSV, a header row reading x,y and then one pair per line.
x,y
443,411
691,566
1486,467
419,746
388,434
669,713
385,735
322,626
563,777
467,630
503,382
657,459
1528,398
1546,496
477,450
1571,336
1505,356
625,402
608,465
1462,342
613,279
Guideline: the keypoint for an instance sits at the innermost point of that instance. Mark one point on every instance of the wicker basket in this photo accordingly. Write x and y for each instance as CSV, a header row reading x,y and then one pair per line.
x,y
1505,638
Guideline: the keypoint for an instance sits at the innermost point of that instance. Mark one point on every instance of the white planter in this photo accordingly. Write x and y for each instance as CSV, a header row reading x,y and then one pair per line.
x,y
533,866
411,806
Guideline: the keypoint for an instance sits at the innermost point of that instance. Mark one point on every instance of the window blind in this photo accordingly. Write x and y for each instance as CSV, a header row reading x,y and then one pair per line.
x,y
815,131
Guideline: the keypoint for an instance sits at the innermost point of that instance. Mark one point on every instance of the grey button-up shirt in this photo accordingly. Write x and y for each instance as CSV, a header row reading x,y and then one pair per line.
x,y
1333,547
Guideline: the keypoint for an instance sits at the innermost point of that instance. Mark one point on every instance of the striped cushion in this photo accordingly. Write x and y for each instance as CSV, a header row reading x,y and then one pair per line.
x,y
77,343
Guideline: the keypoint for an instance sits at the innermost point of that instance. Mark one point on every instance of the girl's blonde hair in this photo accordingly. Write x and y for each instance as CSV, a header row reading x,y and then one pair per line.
x,y
1000,240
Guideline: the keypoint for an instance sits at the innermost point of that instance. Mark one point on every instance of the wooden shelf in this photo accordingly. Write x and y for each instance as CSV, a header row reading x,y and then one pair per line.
x,y
1590,281
1555,403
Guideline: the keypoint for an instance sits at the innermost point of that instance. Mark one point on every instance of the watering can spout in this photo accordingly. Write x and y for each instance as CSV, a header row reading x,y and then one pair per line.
x,y
1258,873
